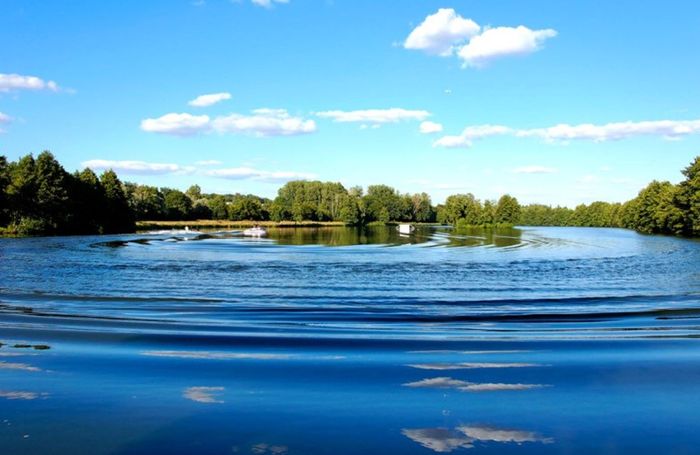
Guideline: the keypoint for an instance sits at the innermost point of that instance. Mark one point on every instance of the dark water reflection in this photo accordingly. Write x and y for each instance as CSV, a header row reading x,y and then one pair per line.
x,y
345,341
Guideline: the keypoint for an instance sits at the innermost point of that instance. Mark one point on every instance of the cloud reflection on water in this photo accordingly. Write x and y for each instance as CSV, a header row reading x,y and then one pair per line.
x,y
204,394
21,395
17,366
465,386
445,440
470,365
440,440
217,355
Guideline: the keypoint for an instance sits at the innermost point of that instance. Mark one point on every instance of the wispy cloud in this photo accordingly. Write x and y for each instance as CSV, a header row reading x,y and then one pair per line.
x,y
15,82
446,33
247,173
429,127
471,133
208,163
4,119
268,3
204,394
615,131
534,170
375,116
264,122
261,123
138,167
183,124
209,99
563,133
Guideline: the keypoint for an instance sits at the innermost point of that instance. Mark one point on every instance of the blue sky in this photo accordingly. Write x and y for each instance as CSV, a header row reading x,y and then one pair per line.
x,y
553,102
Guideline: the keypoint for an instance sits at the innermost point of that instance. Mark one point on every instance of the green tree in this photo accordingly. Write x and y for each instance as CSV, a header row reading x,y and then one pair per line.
x,y
688,199
147,202
177,205
462,207
507,210
4,181
218,208
246,208
194,192
422,208
382,203
116,214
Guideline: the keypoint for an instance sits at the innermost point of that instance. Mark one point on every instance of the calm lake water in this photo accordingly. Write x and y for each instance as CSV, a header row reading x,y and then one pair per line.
x,y
347,341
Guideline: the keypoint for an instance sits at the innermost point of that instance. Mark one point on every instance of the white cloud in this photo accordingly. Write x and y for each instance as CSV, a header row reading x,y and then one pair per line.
x,y
247,173
446,33
534,170
203,394
138,167
562,133
12,82
4,119
429,127
615,131
588,179
440,32
471,133
501,42
209,99
264,122
208,163
177,124
268,3
375,116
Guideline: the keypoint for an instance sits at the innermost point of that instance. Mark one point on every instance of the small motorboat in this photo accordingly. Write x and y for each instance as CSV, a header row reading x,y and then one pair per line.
x,y
406,228
256,231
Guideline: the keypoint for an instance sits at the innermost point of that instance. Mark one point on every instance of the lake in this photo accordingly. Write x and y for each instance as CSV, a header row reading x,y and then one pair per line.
x,y
344,341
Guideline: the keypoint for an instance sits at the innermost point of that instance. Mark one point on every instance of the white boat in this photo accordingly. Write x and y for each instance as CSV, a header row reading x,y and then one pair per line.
x,y
255,232
406,228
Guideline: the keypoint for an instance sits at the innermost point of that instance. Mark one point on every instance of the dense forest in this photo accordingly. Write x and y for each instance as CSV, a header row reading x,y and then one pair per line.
x,y
38,196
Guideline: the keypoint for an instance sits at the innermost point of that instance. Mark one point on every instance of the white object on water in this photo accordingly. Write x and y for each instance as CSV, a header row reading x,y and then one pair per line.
x,y
406,228
255,232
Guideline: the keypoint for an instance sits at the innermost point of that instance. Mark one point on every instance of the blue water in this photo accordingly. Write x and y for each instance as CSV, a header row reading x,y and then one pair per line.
x,y
344,341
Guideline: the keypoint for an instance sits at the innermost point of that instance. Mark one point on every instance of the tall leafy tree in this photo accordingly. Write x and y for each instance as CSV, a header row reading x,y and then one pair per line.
x,y
507,210
116,214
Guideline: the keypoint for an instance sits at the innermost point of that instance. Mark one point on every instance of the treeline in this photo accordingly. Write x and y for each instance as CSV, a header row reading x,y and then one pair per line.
x,y
660,208
295,201
37,196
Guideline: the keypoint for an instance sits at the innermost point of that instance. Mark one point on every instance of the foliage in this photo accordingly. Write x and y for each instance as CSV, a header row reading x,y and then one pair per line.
x,y
37,196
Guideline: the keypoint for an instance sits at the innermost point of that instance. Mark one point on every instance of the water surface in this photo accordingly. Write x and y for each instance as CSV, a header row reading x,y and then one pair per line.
x,y
340,340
